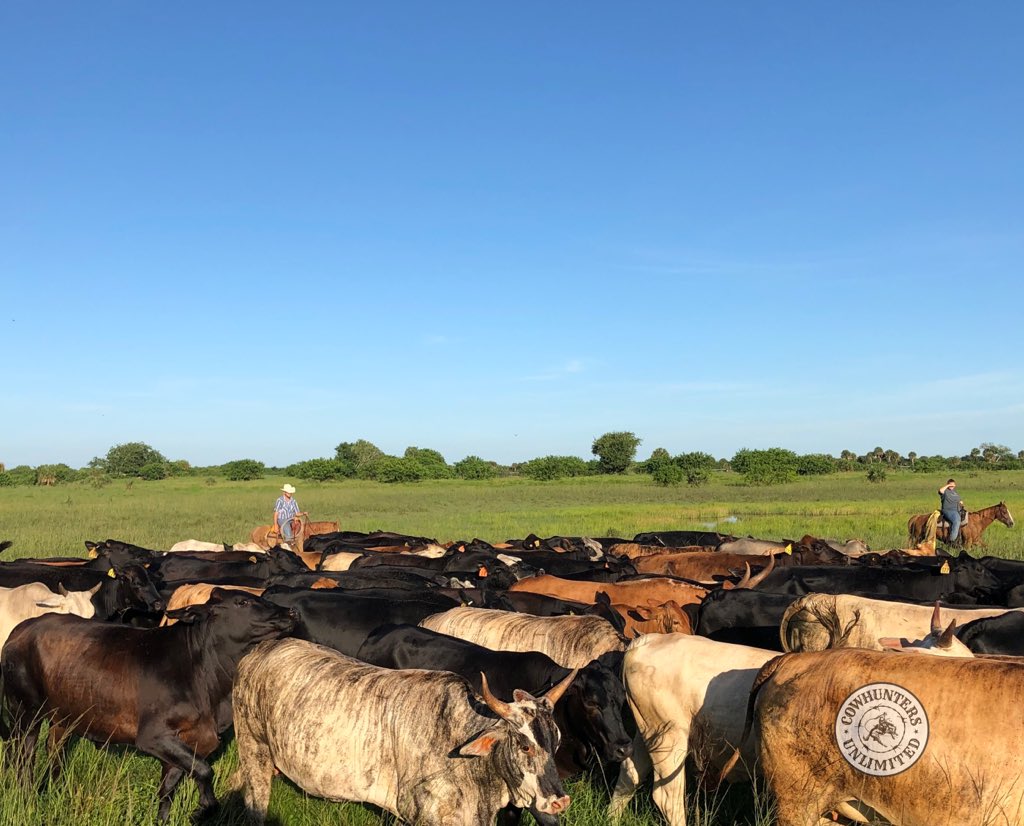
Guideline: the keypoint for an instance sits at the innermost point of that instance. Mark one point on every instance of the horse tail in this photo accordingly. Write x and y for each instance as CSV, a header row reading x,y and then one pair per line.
x,y
931,527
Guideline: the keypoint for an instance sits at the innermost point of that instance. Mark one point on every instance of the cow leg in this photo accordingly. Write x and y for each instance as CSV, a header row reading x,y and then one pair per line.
x,y
25,728
169,750
256,769
55,742
632,772
669,766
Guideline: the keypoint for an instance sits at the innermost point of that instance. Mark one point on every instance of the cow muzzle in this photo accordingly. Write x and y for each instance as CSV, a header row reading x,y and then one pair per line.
x,y
554,805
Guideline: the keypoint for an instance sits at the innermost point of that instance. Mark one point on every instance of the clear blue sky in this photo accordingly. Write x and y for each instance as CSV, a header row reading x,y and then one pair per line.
x,y
256,230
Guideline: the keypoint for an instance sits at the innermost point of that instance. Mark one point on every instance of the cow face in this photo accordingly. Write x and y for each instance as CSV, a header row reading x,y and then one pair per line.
x,y
248,619
138,589
522,746
595,707
285,562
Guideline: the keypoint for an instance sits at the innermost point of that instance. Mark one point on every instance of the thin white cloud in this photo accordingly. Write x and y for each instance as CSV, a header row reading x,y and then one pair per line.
x,y
569,368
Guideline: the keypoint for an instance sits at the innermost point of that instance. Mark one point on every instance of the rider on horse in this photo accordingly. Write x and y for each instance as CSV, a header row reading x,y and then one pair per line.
x,y
287,523
951,507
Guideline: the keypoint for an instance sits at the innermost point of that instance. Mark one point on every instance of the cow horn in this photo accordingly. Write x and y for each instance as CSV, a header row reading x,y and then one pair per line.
x,y
757,580
946,640
936,620
745,580
61,589
499,707
556,692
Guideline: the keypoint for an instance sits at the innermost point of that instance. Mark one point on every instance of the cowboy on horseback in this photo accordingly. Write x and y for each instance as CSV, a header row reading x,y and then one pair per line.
x,y
287,523
951,506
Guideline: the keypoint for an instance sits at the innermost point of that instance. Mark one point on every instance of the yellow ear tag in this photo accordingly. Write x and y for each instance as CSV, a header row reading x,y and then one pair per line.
x,y
945,568
110,573
789,549
92,553
252,559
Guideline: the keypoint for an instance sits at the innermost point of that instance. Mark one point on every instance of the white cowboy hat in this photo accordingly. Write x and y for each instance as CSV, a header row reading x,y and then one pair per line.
x,y
288,488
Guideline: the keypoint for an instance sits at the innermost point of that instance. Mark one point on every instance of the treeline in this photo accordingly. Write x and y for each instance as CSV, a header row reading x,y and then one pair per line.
x,y
614,453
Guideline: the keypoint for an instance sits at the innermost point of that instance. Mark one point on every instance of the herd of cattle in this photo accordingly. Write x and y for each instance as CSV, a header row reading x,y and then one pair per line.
x,y
461,683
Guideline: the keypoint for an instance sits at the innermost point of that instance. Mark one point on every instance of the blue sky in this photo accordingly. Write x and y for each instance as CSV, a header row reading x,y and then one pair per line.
x,y
249,230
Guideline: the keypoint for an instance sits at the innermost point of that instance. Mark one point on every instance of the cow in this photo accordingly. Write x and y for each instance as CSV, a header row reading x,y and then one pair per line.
x,y
710,568
166,691
590,717
197,594
647,591
415,743
123,593
35,599
1003,634
572,642
687,695
918,740
634,550
741,617
754,547
815,622
638,620
679,539
187,545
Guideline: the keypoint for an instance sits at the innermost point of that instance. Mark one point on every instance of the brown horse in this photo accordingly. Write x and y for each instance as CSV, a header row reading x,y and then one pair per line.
x,y
970,534
266,537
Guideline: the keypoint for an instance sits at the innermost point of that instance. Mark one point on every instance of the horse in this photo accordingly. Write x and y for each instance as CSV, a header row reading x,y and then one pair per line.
x,y
970,533
266,537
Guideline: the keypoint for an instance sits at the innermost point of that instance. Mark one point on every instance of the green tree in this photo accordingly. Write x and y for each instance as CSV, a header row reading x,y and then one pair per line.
x,y
659,456
431,462
318,470
129,459
548,468
877,474
361,456
765,467
394,469
696,467
615,451
153,471
667,473
473,467
815,464
61,473
242,470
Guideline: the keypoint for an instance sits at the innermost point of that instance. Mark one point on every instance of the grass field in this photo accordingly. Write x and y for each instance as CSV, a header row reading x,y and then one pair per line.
x,y
118,786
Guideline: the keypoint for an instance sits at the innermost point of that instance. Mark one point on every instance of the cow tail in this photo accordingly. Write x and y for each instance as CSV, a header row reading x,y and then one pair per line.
x,y
5,729
764,675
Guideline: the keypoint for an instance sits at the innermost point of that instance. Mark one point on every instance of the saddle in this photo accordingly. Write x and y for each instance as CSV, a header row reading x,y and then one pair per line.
x,y
944,523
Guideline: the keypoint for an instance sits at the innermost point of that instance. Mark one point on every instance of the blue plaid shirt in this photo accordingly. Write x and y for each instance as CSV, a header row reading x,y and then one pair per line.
x,y
285,510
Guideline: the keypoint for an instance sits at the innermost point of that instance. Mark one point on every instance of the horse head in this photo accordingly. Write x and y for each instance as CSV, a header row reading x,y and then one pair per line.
x,y
1003,515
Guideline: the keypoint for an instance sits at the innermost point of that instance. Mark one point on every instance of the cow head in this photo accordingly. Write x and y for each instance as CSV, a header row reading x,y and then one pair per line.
x,y
246,619
134,590
283,561
938,643
523,743
594,710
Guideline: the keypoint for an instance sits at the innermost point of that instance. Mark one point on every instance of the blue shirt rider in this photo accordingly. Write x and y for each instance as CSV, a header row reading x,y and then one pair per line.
x,y
950,506
287,513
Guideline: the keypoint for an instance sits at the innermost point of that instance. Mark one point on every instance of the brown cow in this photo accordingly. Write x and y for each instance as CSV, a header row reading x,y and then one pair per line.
x,y
634,550
651,591
708,568
658,619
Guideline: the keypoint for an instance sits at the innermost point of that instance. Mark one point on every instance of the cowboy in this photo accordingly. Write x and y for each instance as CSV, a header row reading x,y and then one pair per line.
x,y
286,514
951,506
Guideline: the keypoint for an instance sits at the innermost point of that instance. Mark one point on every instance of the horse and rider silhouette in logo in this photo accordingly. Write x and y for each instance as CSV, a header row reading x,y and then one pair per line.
x,y
881,725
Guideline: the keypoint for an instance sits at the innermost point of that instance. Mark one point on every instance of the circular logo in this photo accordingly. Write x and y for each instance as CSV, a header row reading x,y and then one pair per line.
x,y
881,729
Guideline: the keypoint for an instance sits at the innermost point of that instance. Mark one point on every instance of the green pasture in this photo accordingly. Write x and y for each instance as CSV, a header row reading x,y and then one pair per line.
x,y
118,786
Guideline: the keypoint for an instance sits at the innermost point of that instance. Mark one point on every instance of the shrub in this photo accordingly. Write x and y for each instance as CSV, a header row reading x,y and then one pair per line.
x,y
473,467
60,473
659,456
877,474
5,480
153,471
696,466
815,464
765,467
432,464
242,470
393,469
615,451
317,470
548,468
20,475
179,467
668,473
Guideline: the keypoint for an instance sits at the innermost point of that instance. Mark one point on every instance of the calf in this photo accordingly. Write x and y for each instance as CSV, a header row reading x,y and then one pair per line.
x,y
166,691
415,743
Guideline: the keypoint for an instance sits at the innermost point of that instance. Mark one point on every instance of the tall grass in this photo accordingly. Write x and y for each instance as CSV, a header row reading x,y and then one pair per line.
x,y
117,787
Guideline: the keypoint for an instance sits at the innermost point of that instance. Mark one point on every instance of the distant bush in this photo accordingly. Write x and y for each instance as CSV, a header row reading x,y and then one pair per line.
x,y
877,474
548,468
5,480
392,469
930,464
153,471
696,466
473,467
318,470
20,475
59,473
179,467
659,456
615,451
242,470
668,473
432,464
765,467
815,464
129,459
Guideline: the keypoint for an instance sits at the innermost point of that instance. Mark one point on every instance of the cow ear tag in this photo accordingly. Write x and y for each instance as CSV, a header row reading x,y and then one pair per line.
x,y
789,549
945,568
252,559
110,573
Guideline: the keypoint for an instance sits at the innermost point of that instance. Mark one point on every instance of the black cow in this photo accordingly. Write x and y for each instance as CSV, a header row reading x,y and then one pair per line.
x,y
741,616
129,591
590,715
682,539
1003,634
344,621
187,568
166,691
967,582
